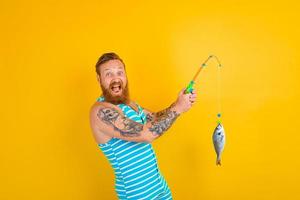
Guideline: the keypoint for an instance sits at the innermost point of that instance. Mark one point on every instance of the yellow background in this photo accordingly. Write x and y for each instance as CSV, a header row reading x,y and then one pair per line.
x,y
48,83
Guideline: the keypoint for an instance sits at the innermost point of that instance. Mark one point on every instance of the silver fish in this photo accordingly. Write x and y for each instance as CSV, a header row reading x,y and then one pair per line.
x,y
219,141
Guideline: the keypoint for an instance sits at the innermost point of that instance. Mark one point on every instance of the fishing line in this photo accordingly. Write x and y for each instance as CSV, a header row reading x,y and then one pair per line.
x,y
190,87
219,133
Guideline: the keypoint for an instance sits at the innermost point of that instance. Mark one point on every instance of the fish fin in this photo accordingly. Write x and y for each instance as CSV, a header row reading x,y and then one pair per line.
x,y
218,162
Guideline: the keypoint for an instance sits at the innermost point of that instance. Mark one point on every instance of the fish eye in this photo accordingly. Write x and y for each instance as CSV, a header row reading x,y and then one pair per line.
x,y
219,133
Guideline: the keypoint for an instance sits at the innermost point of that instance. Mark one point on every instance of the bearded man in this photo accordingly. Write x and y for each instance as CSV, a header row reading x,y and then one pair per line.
x,y
124,131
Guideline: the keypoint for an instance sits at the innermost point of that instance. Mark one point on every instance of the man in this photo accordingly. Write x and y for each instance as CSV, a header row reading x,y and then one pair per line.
x,y
124,131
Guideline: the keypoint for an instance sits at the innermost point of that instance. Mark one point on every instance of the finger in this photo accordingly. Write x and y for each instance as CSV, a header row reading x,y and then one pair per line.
x,y
182,91
192,99
187,95
193,96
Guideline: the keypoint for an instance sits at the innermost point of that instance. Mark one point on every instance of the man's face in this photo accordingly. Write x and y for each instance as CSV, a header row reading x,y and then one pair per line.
x,y
113,82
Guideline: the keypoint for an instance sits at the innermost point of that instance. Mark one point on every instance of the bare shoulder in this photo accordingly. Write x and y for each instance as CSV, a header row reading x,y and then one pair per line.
x,y
99,136
100,105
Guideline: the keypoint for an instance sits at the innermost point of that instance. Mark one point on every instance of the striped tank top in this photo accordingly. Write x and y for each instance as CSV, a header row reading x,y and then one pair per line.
x,y
137,175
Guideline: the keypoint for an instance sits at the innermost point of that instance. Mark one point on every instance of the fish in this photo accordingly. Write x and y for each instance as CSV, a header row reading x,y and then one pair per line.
x,y
219,141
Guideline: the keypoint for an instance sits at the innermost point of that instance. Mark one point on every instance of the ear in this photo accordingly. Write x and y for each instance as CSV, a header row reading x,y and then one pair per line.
x,y
98,77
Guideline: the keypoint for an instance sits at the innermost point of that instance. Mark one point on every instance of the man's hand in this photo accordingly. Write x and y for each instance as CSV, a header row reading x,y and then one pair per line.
x,y
185,101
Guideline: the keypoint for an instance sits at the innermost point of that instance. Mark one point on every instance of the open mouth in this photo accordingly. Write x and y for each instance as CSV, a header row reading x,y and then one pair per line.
x,y
116,88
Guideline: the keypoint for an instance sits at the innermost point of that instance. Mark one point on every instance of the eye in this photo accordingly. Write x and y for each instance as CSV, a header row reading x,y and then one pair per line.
x,y
120,73
108,74
219,133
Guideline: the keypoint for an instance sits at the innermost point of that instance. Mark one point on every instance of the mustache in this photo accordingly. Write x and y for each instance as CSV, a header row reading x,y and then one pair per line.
x,y
124,98
116,82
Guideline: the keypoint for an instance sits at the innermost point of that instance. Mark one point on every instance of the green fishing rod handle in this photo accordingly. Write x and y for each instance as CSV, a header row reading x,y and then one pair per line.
x,y
189,88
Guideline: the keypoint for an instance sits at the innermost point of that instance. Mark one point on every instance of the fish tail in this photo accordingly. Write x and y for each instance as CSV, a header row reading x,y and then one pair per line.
x,y
218,162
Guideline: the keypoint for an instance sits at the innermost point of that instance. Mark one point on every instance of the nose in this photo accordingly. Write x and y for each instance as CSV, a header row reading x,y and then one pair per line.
x,y
116,78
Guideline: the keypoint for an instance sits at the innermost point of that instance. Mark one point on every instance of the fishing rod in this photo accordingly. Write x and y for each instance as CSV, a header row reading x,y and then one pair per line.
x,y
219,133
190,87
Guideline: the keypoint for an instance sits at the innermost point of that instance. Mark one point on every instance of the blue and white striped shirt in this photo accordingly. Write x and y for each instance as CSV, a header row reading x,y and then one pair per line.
x,y
137,175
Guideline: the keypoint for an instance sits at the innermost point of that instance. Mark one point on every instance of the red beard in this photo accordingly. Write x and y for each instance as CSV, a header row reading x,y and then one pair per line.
x,y
119,99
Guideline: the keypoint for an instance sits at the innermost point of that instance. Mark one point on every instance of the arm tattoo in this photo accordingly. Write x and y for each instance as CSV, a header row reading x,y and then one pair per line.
x,y
162,121
149,117
123,125
153,116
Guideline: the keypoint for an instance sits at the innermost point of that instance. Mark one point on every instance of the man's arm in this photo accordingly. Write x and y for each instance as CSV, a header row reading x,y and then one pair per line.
x,y
111,121
161,121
